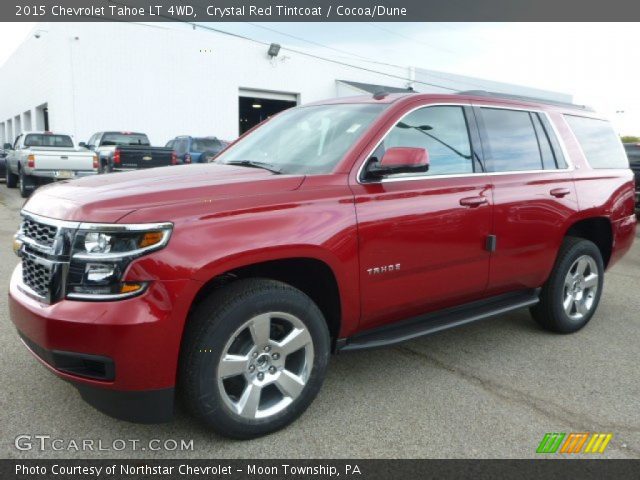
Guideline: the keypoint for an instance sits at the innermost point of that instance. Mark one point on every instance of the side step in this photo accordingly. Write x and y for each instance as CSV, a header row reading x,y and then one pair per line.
x,y
438,321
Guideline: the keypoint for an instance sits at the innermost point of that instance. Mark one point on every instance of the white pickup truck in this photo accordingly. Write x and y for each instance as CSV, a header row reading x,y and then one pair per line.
x,y
37,158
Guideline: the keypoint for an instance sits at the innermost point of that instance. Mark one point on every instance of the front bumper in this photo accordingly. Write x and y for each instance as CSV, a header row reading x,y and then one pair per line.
x,y
122,356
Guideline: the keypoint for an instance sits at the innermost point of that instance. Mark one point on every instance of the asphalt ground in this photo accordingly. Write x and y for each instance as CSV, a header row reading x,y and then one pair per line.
x,y
487,390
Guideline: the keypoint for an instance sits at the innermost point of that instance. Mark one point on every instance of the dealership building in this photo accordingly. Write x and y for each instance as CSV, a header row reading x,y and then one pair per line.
x,y
163,80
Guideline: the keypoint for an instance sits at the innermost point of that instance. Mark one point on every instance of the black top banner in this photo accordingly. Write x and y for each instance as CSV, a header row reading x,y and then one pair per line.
x,y
318,10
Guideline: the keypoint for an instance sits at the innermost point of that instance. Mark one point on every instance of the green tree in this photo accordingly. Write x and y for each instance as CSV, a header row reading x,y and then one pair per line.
x,y
630,139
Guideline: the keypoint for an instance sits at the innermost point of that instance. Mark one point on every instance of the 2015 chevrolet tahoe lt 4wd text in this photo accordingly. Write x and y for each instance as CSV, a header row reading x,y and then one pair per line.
x,y
337,226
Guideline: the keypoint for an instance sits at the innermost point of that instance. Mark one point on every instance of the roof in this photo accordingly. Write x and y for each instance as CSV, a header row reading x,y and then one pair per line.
x,y
373,88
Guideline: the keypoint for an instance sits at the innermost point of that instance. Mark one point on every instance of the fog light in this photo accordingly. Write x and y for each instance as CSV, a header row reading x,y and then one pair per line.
x,y
17,246
99,272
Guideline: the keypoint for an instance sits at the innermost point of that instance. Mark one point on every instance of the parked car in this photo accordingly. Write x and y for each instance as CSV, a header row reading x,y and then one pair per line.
x,y
37,158
633,153
196,149
3,162
123,151
338,226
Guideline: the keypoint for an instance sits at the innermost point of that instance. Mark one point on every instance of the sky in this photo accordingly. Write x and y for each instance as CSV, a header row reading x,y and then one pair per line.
x,y
594,62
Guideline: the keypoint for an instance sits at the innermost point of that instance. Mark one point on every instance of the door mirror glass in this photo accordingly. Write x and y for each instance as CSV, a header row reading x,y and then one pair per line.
x,y
401,160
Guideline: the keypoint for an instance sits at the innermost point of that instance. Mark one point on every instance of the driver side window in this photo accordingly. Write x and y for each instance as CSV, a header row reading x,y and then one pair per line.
x,y
442,131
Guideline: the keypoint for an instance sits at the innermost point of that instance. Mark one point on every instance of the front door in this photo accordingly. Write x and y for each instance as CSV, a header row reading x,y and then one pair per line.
x,y
423,237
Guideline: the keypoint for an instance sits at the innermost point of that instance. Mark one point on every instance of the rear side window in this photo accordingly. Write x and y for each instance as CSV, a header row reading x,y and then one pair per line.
x,y
517,140
47,140
124,139
600,144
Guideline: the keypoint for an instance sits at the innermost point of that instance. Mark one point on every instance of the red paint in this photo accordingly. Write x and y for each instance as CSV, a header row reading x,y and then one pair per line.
x,y
227,217
401,156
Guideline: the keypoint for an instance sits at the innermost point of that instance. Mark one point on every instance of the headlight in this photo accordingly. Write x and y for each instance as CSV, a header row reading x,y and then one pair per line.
x,y
101,254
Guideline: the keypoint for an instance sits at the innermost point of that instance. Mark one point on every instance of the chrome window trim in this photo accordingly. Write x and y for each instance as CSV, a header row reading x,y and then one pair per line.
x,y
570,165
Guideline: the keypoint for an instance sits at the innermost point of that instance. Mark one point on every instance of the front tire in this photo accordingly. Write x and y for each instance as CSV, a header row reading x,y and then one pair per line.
x,y
254,357
572,293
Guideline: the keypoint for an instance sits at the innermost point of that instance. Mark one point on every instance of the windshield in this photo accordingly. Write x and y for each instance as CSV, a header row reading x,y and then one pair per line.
x,y
48,140
125,139
200,145
305,140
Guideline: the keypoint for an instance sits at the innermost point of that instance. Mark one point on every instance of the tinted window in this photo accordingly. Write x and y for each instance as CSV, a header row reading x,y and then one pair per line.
x,y
600,144
442,131
113,138
45,140
181,146
205,145
511,143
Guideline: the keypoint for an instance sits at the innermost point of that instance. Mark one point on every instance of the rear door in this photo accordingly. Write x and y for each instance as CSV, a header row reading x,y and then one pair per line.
x,y
422,238
534,194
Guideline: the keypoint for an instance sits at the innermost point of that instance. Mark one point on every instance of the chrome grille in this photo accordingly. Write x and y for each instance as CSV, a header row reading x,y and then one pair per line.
x,y
36,276
39,232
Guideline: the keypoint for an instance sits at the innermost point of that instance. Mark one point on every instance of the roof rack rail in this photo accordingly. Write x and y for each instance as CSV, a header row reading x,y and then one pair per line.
x,y
523,98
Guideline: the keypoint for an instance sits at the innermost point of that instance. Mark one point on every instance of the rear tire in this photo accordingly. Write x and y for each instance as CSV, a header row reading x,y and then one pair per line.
x,y
12,179
572,293
26,184
254,356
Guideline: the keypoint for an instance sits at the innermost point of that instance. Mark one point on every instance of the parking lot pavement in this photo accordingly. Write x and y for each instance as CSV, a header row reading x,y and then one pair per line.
x,y
490,389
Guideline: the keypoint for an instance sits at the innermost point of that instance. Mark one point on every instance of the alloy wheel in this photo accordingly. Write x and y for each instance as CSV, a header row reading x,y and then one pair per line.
x,y
265,365
580,287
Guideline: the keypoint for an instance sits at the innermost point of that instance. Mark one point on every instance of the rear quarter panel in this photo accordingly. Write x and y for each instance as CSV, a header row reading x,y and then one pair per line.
x,y
607,193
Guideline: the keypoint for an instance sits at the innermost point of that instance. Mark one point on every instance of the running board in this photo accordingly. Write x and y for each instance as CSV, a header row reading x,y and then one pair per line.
x,y
438,321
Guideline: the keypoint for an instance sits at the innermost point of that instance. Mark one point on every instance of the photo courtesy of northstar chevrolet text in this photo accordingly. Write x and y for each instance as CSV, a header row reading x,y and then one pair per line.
x,y
344,234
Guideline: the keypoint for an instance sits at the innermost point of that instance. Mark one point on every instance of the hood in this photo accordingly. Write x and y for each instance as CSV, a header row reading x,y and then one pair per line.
x,y
107,198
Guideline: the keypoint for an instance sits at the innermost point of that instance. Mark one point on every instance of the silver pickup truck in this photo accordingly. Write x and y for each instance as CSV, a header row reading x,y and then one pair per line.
x,y
37,158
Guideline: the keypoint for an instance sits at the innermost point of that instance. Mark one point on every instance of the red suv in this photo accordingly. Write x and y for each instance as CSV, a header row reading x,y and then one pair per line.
x,y
337,226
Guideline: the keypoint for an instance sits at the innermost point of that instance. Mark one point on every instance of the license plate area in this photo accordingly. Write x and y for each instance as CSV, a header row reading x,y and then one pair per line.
x,y
64,174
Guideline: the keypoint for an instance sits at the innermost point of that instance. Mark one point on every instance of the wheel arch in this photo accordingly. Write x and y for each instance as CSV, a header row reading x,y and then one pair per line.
x,y
311,274
598,230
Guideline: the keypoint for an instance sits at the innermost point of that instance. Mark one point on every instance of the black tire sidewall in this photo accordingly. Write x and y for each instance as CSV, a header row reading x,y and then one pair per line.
x,y
12,179
563,322
25,183
212,340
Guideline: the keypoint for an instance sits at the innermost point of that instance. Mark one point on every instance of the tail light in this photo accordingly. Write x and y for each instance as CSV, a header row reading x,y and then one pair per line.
x,y
95,162
187,158
174,158
116,156
31,161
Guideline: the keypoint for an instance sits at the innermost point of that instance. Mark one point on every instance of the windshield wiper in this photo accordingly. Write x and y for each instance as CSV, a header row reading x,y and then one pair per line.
x,y
253,164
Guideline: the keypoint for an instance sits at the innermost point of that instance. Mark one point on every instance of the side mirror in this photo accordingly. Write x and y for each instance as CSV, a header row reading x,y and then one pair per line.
x,y
8,146
82,144
401,160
